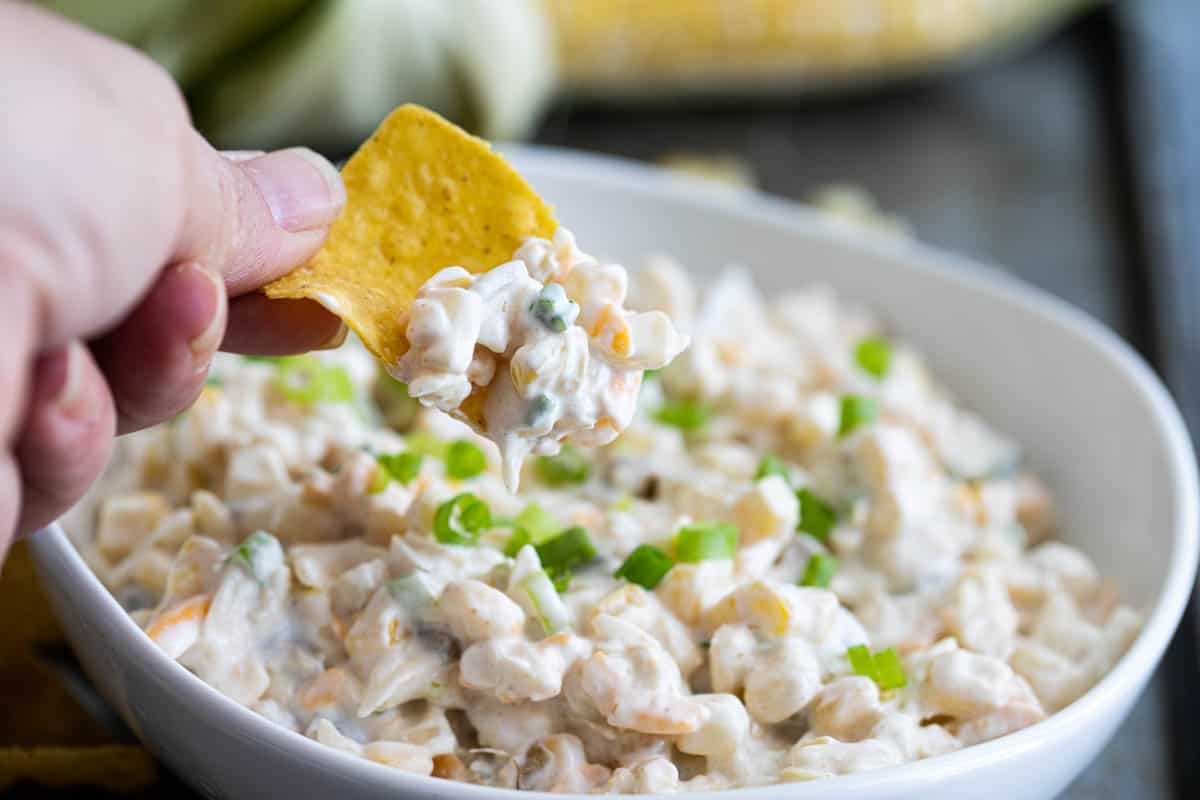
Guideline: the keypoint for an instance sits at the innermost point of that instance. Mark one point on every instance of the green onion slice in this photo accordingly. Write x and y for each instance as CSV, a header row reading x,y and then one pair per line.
x,y
706,541
519,539
305,381
540,523
403,467
817,518
561,578
553,308
379,481
260,554
686,415
883,667
389,384
534,525
646,566
398,409
568,467
426,444
460,520
891,672
861,662
819,570
772,465
874,355
464,460
571,548
540,407
856,411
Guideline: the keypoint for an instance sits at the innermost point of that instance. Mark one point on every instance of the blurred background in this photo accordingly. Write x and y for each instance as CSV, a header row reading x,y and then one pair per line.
x,y
1056,139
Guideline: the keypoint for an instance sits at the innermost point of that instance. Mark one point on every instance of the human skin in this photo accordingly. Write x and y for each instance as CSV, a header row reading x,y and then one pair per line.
x,y
130,251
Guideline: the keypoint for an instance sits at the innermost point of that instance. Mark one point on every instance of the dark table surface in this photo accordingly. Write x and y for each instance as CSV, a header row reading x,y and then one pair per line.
x,y
1024,163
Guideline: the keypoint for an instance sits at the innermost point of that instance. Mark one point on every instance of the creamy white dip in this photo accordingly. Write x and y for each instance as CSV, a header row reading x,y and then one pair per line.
x,y
537,351
800,559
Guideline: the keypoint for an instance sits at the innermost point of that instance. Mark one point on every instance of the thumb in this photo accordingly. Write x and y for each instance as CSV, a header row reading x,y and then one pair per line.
x,y
254,219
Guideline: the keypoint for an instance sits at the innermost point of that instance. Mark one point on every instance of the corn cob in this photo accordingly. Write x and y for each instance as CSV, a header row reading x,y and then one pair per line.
x,y
631,47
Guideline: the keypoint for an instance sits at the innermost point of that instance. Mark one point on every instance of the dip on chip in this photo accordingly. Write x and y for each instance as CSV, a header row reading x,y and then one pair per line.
x,y
421,194
455,274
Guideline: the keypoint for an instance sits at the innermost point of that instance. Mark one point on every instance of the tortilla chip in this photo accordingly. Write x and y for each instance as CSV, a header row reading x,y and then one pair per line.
x,y
422,195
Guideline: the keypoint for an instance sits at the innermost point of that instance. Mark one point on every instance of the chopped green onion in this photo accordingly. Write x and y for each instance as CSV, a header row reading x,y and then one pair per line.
x,y
874,355
856,411
547,605
460,520
561,578
819,570
651,374
568,467
624,503
263,359
379,481
411,593
861,661
687,415
706,541
772,465
553,309
539,407
883,667
533,525
304,380
403,467
399,410
390,384
464,460
260,554
540,523
568,549
426,444
519,539
646,566
213,379
817,517
891,671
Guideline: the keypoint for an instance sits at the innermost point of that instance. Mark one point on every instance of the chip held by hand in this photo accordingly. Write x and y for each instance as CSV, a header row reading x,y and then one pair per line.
x,y
421,195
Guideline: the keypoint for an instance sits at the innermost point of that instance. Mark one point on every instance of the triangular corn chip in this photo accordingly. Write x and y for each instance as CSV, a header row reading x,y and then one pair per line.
x,y
421,195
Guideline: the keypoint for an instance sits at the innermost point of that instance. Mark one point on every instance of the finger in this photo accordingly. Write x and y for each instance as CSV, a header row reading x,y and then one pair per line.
x,y
264,327
10,500
67,436
242,155
255,219
18,332
157,358
18,324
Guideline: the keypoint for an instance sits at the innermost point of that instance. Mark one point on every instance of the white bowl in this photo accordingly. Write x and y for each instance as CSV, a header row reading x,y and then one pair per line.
x,y
1095,420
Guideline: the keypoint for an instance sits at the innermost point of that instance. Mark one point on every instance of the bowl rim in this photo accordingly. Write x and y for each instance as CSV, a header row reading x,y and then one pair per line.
x,y
56,555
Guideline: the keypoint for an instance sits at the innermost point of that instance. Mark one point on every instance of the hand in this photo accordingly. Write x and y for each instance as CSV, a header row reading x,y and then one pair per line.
x,y
129,252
